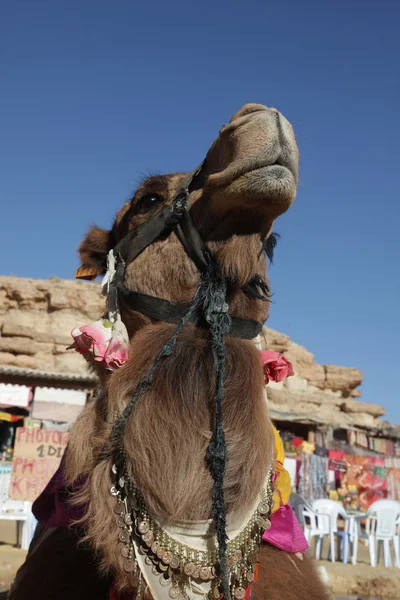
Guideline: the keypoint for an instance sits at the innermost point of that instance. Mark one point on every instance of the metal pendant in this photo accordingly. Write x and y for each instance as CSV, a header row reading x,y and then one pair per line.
x,y
232,561
264,522
167,557
143,527
119,508
128,519
148,538
189,569
165,580
263,508
124,536
174,592
240,593
250,576
129,565
160,553
216,594
252,556
205,573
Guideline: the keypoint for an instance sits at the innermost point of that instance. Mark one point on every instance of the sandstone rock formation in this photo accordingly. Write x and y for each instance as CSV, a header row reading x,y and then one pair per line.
x,y
320,392
36,318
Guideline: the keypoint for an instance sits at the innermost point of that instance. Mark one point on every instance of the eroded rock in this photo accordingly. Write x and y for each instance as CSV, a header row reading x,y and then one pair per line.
x,y
36,318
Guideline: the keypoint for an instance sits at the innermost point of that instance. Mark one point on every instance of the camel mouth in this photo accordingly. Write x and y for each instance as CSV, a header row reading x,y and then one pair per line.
x,y
270,178
283,169
276,171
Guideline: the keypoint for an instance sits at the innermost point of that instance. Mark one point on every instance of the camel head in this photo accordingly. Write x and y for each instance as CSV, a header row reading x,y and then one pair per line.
x,y
247,180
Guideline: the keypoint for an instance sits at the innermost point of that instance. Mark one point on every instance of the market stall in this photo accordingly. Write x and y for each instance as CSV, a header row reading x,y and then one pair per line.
x,y
351,465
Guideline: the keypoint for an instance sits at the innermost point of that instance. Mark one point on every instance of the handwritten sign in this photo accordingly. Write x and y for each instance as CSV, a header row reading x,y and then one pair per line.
x,y
37,455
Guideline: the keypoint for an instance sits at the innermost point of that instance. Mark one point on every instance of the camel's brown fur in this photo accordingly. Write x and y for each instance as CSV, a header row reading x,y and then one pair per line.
x,y
249,178
168,432
166,440
282,576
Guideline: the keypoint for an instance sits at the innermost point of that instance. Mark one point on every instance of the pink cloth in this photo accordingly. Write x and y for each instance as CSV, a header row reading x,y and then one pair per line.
x,y
285,532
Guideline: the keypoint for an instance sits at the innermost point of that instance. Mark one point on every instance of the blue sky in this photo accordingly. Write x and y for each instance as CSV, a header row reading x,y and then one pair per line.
x,y
94,94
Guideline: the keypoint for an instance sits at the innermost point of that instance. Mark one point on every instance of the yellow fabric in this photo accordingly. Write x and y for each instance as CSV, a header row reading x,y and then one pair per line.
x,y
308,447
4,416
282,481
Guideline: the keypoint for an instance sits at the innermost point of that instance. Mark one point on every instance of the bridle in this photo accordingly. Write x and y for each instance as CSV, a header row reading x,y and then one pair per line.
x,y
176,218
208,310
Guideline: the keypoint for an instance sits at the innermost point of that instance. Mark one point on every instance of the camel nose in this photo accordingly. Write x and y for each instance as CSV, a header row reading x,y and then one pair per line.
x,y
247,109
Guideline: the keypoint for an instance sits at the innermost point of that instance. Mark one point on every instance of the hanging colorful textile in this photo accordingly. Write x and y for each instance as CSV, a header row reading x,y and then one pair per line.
x,y
393,479
366,473
314,477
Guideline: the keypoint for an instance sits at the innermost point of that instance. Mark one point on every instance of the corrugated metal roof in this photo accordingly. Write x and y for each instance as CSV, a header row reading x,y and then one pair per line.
x,y
293,417
385,432
48,375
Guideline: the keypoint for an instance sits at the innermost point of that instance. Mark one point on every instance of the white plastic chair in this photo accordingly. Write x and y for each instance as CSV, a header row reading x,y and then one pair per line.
x,y
328,513
313,530
307,519
382,527
15,510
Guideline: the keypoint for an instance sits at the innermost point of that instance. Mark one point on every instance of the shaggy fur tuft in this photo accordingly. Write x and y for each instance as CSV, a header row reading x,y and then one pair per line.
x,y
166,442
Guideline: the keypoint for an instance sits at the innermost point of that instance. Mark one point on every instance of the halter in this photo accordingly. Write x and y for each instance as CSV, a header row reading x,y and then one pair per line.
x,y
209,310
176,217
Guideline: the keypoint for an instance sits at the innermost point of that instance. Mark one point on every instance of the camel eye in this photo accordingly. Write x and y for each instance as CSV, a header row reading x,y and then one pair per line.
x,y
148,202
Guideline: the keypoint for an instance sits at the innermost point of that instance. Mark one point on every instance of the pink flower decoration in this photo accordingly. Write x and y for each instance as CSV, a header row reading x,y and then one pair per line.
x,y
102,341
276,366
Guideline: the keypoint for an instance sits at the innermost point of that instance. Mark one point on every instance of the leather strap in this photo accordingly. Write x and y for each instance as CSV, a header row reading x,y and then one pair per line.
x,y
176,217
160,309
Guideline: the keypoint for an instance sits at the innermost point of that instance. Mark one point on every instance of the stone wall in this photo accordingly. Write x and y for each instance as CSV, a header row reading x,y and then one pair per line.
x,y
36,318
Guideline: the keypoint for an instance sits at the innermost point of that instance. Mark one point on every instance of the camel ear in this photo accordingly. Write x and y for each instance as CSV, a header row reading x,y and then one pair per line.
x,y
93,253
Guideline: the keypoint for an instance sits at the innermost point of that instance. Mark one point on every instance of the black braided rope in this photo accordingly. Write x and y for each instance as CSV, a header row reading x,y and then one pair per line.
x,y
216,314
